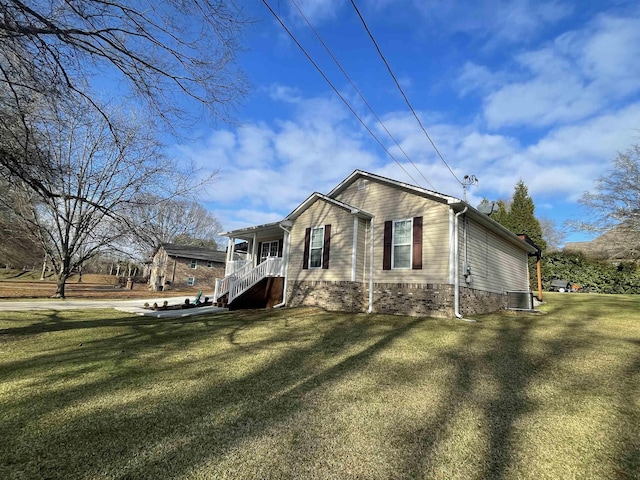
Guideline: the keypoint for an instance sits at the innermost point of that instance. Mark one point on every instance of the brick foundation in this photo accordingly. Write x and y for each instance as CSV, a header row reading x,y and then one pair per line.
x,y
337,296
476,302
414,299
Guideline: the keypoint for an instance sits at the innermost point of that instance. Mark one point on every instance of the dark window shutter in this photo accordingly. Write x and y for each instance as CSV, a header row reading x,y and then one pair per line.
x,y
386,255
259,253
280,243
305,255
417,243
327,246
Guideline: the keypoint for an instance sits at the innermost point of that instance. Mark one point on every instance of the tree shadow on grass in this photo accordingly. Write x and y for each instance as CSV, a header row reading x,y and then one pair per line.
x,y
66,431
492,370
165,399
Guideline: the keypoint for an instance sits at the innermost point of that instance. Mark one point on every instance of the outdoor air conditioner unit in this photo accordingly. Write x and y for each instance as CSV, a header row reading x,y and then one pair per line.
x,y
520,300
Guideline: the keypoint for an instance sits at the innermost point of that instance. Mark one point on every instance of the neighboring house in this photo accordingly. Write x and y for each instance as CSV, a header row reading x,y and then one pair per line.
x,y
185,266
374,244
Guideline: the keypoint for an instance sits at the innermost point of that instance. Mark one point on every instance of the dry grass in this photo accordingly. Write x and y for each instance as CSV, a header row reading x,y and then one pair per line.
x,y
303,393
27,284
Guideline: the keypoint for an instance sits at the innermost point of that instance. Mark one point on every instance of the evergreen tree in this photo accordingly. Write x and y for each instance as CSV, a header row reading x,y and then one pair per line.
x,y
502,214
519,215
522,217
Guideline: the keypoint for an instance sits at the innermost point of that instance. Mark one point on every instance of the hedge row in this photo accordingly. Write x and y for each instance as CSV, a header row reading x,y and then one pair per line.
x,y
591,275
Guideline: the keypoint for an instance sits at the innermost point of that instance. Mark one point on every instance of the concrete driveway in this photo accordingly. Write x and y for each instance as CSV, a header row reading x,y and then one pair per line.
x,y
130,306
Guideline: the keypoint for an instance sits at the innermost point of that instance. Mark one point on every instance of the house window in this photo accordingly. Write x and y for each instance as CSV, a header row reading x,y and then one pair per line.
x,y
194,263
315,247
209,264
401,251
317,244
402,244
268,249
191,281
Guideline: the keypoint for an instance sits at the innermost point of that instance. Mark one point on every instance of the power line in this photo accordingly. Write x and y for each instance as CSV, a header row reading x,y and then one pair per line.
x,y
336,90
402,91
358,91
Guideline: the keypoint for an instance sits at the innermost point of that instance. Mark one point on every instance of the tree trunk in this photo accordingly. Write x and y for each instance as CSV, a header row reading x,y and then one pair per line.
x,y
60,284
61,280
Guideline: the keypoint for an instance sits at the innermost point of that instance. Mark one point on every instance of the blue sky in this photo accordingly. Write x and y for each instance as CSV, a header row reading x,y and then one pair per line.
x,y
543,91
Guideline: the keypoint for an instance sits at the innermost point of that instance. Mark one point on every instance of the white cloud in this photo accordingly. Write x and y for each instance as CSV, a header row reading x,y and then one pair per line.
x,y
273,169
474,77
577,75
611,55
267,170
316,11
494,20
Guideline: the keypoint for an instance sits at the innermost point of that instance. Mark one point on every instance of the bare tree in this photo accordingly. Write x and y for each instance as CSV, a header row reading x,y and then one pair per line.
x,y
167,56
614,208
17,247
552,234
93,182
616,197
174,220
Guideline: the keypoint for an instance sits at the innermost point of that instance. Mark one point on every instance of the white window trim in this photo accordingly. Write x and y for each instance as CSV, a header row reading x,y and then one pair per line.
x,y
191,281
394,245
209,263
193,263
316,248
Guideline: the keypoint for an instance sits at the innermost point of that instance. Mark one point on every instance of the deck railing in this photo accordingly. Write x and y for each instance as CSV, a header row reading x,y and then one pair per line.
x,y
271,267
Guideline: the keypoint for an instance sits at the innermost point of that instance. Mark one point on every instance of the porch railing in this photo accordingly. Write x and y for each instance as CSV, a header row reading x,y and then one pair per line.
x,y
271,267
235,266
222,284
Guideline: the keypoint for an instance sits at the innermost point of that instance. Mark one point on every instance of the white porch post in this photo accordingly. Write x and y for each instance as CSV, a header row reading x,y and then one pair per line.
x,y
285,253
230,249
254,249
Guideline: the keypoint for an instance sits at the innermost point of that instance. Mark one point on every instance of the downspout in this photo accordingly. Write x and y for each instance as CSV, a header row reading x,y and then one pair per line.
x,y
370,309
354,249
285,264
456,287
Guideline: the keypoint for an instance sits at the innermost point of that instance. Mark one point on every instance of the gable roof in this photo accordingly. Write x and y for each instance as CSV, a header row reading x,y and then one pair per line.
x,y
455,203
311,199
198,253
360,174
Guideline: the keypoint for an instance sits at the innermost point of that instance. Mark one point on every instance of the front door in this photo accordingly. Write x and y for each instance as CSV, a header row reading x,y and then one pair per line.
x,y
268,249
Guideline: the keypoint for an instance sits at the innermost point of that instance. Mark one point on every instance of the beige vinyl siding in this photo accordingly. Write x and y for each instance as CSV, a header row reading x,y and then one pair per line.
x,y
317,215
362,255
496,264
389,203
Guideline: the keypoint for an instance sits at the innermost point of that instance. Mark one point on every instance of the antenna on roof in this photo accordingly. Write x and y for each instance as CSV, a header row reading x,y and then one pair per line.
x,y
468,180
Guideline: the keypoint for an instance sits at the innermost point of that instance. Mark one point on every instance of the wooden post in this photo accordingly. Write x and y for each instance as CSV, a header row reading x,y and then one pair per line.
x,y
539,278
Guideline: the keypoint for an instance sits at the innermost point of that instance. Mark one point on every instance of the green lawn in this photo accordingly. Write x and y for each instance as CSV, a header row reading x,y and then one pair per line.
x,y
303,393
